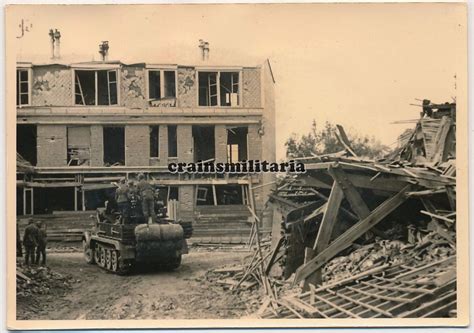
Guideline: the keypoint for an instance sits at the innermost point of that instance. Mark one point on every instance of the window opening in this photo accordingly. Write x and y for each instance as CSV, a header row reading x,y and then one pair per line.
x,y
172,141
23,87
154,141
114,146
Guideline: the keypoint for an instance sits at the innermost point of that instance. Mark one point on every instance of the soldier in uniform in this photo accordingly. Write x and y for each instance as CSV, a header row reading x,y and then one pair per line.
x,y
30,241
41,247
148,198
121,196
19,247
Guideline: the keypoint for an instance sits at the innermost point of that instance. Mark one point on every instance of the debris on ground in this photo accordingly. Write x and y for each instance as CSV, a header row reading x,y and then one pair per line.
x,y
361,238
40,280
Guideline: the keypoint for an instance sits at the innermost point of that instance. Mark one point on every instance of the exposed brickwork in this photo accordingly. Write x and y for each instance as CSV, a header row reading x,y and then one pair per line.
x,y
221,143
51,86
163,145
52,145
137,145
254,143
251,89
187,87
97,145
186,202
185,143
268,139
133,87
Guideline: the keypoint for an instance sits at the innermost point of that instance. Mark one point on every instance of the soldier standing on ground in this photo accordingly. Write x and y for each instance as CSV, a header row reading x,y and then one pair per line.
x,y
30,241
148,198
121,196
41,247
19,248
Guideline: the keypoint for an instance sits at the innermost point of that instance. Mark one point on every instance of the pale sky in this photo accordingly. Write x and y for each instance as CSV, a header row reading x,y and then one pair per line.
x,y
352,64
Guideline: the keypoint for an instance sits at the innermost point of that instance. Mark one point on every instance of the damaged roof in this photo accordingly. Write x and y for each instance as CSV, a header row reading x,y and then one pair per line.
x,y
217,59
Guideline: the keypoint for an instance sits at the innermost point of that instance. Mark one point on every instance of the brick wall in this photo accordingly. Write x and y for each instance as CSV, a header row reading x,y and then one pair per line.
x,y
186,202
187,87
185,143
268,121
51,86
137,145
97,145
163,145
133,87
251,90
221,143
51,145
254,143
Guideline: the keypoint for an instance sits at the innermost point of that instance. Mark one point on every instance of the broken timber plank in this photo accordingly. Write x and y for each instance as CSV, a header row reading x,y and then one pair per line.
x,y
352,195
327,224
23,276
344,140
274,255
348,237
343,210
436,216
329,218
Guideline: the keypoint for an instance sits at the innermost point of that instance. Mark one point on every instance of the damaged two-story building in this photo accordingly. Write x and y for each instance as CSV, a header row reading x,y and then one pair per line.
x,y
81,126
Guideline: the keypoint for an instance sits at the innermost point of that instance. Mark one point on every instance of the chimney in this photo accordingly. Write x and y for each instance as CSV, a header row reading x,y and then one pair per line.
x,y
55,43
104,50
57,38
51,34
204,46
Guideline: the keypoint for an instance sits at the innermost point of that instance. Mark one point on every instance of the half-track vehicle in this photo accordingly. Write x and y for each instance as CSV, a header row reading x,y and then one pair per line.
x,y
117,243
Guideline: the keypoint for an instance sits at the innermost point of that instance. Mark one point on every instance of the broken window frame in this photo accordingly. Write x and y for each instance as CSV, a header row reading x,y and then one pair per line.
x,y
231,148
230,157
162,70
201,193
110,82
218,84
75,152
19,93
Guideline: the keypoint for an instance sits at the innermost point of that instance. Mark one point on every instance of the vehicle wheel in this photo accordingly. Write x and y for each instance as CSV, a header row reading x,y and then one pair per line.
x,y
114,263
102,256
97,255
89,254
108,259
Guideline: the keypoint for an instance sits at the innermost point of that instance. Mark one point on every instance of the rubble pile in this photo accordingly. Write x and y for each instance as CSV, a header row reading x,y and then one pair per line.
x,y
361,238
40,280
244,280
428,246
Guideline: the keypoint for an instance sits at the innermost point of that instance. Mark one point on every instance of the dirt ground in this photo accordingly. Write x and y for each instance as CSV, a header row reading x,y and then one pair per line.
x,y
145,294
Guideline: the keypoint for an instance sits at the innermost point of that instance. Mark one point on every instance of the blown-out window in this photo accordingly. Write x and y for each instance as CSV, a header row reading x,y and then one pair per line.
x,y
95,87
162,88
219,88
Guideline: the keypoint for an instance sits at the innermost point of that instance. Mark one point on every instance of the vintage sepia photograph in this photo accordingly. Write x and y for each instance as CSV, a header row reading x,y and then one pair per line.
x,y
231,165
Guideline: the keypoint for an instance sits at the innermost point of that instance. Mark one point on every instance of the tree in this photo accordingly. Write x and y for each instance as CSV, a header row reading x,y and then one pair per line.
x,y
324,141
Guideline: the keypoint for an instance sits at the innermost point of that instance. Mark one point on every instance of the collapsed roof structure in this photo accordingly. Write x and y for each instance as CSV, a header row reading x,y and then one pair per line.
x,y
359,238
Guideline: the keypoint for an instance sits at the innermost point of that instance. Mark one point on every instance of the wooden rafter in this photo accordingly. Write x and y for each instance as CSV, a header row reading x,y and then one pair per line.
x,y
348,237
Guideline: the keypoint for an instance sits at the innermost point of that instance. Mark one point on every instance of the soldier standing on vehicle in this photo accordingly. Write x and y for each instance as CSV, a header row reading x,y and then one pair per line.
x,y
148,198
41,247
121,196
30,241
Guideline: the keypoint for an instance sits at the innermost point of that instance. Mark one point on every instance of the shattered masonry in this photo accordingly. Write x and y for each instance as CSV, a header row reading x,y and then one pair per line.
x,y
83,126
